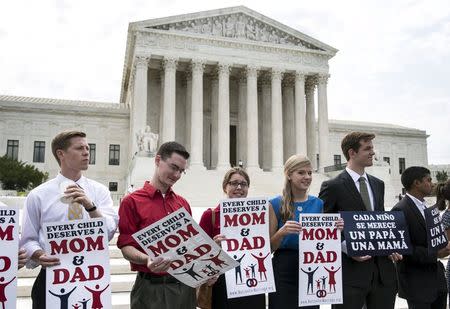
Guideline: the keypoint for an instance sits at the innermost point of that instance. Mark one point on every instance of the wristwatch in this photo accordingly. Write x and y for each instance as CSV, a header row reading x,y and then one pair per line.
x,y
93,208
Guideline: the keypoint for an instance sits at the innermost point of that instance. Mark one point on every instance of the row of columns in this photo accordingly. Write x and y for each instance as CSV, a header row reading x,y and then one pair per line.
x,y
301,113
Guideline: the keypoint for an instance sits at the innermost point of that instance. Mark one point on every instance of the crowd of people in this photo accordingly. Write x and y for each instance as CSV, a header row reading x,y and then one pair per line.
x,y
371,281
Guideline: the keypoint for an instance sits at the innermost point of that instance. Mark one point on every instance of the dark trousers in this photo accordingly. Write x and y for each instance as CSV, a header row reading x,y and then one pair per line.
x,y
439,303
154,292
285,270
375,296
38,293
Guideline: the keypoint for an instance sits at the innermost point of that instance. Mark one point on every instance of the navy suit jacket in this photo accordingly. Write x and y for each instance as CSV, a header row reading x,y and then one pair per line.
x,y
340,194
420,275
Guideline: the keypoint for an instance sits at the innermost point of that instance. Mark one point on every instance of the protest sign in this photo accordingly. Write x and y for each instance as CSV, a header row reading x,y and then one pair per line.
x,y
195,256
320,273
9,242
245,224
82,280
376,233
436,235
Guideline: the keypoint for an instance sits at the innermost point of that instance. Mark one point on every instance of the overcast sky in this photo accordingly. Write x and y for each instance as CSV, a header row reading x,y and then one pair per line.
x,y
393,64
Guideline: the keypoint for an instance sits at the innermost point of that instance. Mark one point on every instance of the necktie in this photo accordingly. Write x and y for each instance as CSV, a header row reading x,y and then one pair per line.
x,y
75,211
364,193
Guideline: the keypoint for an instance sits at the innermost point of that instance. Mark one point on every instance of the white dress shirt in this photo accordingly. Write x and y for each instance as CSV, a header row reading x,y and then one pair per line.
x,y
43,205
355,176
421,205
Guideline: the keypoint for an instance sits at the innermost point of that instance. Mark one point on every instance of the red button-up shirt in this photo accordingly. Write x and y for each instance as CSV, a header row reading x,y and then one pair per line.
x,y
206,221
142,208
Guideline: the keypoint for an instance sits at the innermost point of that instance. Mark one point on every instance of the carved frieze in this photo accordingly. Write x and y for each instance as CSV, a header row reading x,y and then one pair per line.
x,y
149,41
237,26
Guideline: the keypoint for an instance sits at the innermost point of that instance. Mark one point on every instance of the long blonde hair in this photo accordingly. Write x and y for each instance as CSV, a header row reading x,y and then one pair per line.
x,y
292,164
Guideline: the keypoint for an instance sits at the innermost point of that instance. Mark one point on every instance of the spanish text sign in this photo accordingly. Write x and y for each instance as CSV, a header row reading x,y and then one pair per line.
x,y
9,242
195,256
376,233
245,224
436,235
82,280
320,272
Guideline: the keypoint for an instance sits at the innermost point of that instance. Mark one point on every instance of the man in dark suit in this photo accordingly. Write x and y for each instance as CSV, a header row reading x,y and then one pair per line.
x,y
420,275
366,280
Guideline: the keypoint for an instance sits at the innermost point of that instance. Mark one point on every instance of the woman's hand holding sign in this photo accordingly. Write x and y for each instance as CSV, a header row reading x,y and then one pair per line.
x,y
290,227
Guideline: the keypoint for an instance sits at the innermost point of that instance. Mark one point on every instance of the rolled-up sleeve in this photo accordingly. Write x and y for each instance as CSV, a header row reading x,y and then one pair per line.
x,y
30,228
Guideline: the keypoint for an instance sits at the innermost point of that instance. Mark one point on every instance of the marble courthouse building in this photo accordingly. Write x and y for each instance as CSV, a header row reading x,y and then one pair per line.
x,y
230,84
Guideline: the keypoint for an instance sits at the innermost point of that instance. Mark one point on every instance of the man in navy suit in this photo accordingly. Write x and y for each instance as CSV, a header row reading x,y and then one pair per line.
x,y
366,279
421,278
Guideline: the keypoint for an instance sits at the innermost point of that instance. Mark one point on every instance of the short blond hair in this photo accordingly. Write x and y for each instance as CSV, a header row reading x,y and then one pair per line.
x,y
62,141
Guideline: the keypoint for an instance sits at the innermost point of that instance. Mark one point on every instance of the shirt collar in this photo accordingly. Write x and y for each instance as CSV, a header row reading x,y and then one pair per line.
x,y
152,190
416,201
355,176
81,182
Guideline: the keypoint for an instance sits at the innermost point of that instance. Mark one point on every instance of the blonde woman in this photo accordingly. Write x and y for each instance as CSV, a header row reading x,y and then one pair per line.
x,y
284,229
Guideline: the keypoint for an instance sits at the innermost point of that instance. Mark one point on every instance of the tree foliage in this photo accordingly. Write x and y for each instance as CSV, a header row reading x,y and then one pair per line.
x,y
441,176
19,176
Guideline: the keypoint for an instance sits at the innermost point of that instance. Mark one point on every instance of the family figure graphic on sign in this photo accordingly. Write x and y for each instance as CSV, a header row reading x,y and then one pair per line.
x,y
251,280
3,286
209,270
96,298
321,282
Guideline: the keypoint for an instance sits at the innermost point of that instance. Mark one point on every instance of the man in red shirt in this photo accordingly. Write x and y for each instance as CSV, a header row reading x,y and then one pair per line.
x,y
154,287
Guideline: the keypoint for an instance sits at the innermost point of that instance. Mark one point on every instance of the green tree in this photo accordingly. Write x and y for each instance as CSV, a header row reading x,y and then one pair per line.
x,y
19,176
441,176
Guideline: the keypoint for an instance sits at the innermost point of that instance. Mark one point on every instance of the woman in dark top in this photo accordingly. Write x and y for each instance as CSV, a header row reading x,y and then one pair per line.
x,y
235,185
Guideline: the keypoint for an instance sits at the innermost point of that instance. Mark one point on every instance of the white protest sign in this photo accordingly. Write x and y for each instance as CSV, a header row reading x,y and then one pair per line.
x,y
195,256
245,224
9,242
320,269
82,280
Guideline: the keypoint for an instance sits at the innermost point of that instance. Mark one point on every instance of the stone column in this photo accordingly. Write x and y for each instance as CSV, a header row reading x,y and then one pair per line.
x,y
168,126
288,117
223,127
311,121
252,119
139,108
188,110
324,134
267,120
300,114
214,118
277,121
242,118
161,105
196,161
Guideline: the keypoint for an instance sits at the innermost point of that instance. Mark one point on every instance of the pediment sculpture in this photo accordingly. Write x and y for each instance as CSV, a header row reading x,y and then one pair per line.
x,y
237,26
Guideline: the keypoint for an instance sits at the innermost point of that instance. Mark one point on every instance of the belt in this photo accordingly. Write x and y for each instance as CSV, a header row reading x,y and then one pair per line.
x,y
157,278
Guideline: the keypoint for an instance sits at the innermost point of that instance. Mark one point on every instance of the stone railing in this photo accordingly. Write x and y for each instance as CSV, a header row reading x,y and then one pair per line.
x,y
334,168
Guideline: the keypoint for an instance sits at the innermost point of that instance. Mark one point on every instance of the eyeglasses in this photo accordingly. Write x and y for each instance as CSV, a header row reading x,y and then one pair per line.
x,y
236,184
175,168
